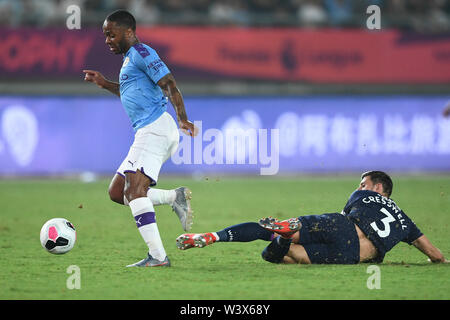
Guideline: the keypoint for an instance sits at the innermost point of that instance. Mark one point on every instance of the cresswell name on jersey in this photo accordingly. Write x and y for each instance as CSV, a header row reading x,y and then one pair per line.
x,y
389,203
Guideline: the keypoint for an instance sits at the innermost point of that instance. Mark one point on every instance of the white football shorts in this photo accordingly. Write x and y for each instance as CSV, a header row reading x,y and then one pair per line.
x,y
152,146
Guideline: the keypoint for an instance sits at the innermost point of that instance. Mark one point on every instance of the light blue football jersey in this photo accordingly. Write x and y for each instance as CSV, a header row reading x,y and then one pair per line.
x,y
142,98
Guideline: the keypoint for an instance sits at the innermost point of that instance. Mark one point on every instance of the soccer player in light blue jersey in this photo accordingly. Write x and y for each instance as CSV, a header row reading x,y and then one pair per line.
x,y
145,85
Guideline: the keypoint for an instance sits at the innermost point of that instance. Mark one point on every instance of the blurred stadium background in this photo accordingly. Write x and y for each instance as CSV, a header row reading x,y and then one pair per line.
x,y
343,97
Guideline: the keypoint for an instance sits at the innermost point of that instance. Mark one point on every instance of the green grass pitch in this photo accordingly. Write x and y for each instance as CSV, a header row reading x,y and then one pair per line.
x,y
108,240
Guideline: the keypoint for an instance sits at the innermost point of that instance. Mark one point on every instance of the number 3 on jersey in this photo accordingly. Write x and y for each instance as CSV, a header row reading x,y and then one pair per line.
x,y
386,221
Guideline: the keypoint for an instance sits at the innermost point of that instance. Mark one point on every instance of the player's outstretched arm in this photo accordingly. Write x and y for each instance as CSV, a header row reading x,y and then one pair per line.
x,y
170,89
97,78
425,246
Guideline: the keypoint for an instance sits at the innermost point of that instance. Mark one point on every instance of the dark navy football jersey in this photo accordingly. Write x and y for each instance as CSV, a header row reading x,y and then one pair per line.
x,y
381,220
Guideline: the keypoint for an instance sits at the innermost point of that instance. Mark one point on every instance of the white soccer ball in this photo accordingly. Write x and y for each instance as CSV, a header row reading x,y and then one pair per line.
x,y
58,236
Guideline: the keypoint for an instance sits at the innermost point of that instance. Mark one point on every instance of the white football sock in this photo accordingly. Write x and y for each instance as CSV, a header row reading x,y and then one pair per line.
x,y
160,196
157,197
144,214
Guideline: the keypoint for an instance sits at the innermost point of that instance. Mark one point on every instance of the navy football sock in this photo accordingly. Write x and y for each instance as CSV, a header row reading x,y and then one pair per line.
x,y
276,250
244,232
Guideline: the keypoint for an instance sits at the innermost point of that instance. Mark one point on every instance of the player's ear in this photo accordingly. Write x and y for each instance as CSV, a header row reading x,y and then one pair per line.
x,y
379,188
129,32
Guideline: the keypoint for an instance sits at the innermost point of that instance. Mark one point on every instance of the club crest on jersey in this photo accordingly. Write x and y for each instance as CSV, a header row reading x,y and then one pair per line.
x,y
125,62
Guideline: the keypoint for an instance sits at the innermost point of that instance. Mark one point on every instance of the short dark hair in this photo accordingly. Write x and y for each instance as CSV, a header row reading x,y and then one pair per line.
x,y
380,177
122,18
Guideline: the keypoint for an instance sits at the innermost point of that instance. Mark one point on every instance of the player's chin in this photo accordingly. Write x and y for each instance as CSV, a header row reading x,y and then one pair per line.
x,y
115,50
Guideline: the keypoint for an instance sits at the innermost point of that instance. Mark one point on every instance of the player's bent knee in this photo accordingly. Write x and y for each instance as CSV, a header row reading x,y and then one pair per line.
x,y
115,189
136,186
116,193
299,254
289,260
116,196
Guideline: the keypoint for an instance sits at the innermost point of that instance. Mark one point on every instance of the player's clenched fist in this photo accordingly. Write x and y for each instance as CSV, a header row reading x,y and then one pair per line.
x,y
95,77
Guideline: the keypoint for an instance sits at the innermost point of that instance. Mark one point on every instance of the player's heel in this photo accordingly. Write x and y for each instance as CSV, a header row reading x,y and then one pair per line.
x,y
182,207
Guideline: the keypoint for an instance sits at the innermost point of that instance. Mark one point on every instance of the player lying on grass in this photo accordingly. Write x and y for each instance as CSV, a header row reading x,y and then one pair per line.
x,y
370,225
